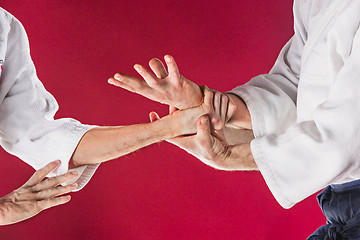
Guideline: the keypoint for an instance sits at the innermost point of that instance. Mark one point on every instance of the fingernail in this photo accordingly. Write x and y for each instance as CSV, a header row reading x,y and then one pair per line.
x,y
137,68
56,162
167,59
117,77
204,120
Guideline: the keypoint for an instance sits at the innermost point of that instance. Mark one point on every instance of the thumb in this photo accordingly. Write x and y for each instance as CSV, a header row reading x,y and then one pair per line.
x,y
204,131
153,116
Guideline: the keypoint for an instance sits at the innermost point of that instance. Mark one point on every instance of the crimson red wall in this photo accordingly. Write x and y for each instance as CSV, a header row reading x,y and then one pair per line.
x,y
159,192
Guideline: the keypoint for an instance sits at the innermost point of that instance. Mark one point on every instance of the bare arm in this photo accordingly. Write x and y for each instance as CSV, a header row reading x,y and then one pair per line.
x,y
106,143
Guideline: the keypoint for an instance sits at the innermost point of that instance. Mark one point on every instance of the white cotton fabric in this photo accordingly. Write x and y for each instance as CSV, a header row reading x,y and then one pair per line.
x,y
27,126
306,111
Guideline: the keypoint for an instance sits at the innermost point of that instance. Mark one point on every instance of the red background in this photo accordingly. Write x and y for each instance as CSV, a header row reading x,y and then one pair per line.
x,y
159,192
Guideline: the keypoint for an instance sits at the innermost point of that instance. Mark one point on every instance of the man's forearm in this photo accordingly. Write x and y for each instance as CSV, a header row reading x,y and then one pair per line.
x,y
105,143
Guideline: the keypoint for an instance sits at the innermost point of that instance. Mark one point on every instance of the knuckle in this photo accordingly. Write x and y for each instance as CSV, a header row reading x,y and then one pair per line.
x,y
216,120
211,94
219,126
66,188
33,189
217,94
44,203
40,194
13,197
52,180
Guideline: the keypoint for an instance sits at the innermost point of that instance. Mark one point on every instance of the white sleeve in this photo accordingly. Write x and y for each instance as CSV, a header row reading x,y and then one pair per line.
x,y
27,126
271,98
321,151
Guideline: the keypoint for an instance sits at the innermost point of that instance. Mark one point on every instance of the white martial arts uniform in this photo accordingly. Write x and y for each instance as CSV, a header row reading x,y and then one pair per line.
x,y
306,111
27,126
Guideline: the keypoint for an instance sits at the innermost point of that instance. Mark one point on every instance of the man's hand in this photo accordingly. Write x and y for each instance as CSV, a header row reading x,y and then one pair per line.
x,y
36,195
168,87
212,149
216,105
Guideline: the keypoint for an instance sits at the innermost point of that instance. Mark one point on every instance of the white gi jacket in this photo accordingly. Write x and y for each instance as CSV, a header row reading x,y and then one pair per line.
x,y
306,111
27,126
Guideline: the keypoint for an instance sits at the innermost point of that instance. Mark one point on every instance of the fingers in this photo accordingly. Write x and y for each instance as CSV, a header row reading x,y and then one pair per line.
x,y
153,116
52,202
224,108
54,181
40,174
203,132
158,68
146,75
217,103
231,109
172,67
54,191
129,83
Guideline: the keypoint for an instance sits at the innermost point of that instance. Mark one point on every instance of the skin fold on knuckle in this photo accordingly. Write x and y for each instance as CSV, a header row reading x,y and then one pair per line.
x,y
56,191
41,194
13,197
44,204
53,181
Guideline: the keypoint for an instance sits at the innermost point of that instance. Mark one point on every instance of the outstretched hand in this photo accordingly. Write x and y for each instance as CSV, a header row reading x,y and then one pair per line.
x,y
164,86
36,195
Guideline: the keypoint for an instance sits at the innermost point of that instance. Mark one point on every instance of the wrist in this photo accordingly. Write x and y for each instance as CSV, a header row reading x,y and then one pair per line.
x,y
166,127
195,95
242,154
